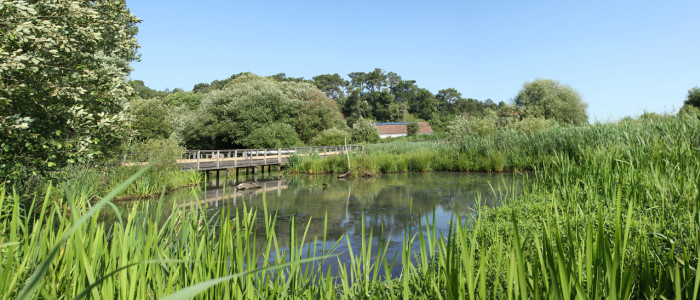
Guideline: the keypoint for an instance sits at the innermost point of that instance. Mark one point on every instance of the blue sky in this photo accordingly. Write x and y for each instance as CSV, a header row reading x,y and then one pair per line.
x,y
624,57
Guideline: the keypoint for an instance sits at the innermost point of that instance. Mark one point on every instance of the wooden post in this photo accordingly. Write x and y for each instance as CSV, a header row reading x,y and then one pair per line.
x,y
217,177
236,180
264,157
324,150
235,160
250,157
346,153
279,155
198,154
217,164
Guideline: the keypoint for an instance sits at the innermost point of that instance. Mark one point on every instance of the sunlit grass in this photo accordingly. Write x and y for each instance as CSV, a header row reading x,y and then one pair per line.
x,y
612,212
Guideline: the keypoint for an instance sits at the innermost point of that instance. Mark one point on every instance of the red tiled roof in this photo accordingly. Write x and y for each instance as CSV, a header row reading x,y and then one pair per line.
x,y
423,127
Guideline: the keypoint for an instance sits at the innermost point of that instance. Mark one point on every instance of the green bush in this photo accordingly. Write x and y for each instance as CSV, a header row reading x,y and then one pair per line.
x,y
412,129
689,110
331,137
164,152
468,126
532,124
275,135
363,131
251,108
150,119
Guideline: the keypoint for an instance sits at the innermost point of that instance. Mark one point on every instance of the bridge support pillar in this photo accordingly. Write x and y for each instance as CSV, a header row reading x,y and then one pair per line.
x,y
236,170
217,177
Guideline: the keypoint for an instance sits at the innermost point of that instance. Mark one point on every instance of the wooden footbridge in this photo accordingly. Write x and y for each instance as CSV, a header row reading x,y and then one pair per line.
x,y
254,159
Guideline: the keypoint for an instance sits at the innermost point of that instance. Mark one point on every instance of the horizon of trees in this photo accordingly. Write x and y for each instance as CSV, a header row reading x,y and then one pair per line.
x,y
376,95
251,111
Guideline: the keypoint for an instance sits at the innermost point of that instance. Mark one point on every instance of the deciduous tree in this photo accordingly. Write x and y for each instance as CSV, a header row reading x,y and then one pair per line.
x,y
63,67
693,97
551,100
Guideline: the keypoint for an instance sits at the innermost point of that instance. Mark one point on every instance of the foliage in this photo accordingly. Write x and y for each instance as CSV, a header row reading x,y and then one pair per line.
x,y
333,86
144,92
532,124
412,128
250,109
364,132
190,100
689,110
551,100
317,113
273,135
614,216
693,97
331,137
62,82
164,152
150,119
467,126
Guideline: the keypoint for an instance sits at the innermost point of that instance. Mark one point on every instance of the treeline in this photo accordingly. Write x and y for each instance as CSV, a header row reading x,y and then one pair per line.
x,y
377,95
250,111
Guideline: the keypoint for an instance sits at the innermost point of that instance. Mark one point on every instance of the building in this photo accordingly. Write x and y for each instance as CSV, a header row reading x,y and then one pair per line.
x,y
397,129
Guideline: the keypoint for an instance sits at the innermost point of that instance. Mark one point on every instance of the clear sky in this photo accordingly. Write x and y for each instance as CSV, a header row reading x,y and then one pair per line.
x,y
624,57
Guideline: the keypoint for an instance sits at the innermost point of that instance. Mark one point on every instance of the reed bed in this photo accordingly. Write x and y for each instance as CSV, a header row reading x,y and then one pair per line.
x,y
612,215
101,180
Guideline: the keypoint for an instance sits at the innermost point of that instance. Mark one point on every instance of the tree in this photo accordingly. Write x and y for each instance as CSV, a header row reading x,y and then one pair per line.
x,y
423,104
318,112
357,81
150,119
551,100
447,100
330,137
252,111
333,86
363,131
412,129
283,77
381,103
145,92
63,67
190,100
693,97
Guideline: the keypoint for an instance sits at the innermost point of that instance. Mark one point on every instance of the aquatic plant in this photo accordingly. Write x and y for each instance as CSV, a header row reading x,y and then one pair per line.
x,y
616,218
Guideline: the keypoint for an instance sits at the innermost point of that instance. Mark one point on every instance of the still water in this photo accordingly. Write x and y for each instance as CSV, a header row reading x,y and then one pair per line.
x,y
391,203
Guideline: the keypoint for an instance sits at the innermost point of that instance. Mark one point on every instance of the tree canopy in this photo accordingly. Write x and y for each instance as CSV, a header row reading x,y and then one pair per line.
x,y
551,100
63,67
693,97
255,112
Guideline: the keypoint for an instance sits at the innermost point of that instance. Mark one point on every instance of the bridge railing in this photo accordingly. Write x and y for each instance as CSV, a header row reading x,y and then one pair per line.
x,y
216,159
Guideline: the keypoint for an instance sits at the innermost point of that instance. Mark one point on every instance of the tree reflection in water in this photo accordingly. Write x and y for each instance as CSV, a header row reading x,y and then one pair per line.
x,y
390,202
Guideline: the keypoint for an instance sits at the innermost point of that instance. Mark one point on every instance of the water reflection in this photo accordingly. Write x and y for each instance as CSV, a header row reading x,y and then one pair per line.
x,y
392,202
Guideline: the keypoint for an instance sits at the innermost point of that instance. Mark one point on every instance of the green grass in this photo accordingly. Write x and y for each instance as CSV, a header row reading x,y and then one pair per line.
x,y
100,180
612,212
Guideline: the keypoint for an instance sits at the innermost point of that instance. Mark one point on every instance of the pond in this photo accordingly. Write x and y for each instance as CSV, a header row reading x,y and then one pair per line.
x,y
391,203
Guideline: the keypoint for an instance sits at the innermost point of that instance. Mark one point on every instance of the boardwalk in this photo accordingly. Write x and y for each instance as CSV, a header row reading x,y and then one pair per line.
x,y
215,160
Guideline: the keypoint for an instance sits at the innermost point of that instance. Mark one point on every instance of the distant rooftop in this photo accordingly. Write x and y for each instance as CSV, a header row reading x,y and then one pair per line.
x,y
400,127
394,123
